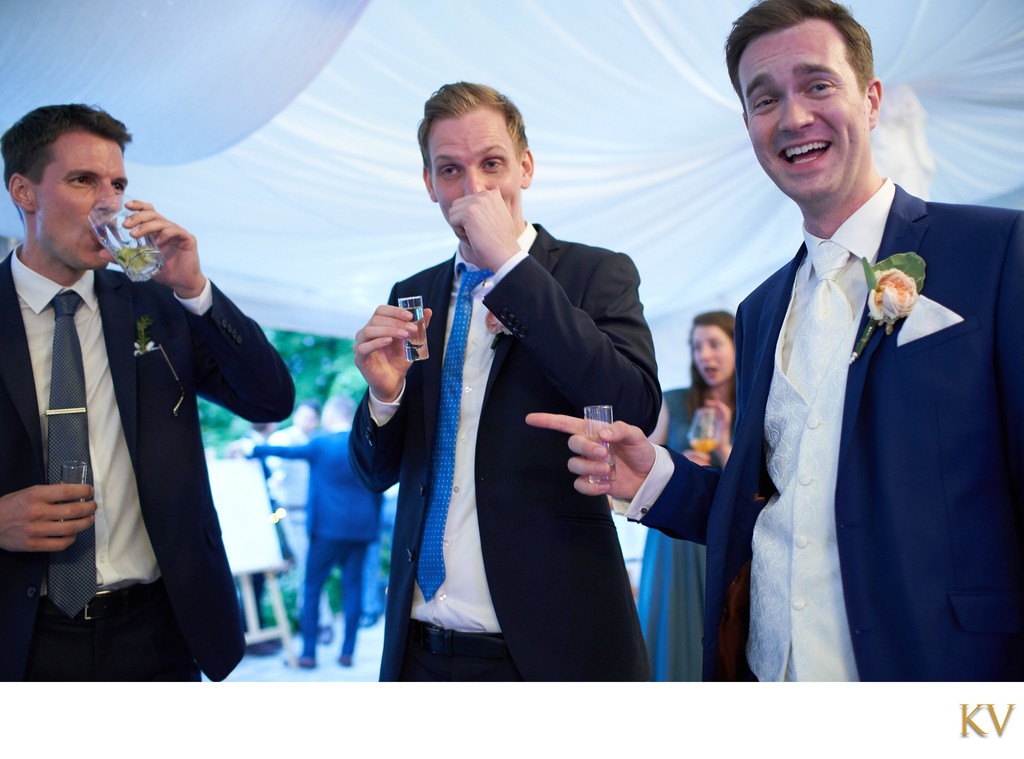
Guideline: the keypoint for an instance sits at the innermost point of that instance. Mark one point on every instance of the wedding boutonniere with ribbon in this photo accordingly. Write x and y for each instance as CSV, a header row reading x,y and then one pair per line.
x,y
144,344
496,328
894,285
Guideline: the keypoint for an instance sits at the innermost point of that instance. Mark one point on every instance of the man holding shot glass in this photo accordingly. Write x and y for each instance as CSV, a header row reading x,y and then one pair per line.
x,y
123,577
499,570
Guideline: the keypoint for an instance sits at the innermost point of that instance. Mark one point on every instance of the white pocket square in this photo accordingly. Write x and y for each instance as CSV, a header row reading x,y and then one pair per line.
x,y
926,318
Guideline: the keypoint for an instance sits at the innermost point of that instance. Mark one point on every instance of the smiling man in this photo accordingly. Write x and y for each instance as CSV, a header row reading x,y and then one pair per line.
x,y
499,571
870,521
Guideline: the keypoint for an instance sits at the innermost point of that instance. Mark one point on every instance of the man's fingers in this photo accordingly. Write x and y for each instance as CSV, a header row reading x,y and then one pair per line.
x,y
558,422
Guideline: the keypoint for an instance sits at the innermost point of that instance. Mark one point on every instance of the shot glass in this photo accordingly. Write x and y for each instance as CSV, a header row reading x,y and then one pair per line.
x,y
139,257
415,347
598,417
74,473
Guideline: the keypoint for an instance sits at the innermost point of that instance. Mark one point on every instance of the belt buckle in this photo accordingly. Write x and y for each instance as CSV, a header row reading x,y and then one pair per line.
x,y
85,611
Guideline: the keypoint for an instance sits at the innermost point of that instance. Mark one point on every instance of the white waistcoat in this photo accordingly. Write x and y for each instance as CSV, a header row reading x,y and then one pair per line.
x,y
798,625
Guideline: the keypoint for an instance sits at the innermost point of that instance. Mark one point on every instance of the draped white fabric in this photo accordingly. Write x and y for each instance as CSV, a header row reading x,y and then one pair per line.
x,y
282,132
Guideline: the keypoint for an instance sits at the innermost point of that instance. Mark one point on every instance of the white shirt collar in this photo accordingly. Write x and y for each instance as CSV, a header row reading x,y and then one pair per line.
x,y
37,291
861,234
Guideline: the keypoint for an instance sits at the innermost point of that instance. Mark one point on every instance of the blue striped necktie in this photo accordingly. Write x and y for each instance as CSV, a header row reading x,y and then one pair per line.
x,y
71,580
430,572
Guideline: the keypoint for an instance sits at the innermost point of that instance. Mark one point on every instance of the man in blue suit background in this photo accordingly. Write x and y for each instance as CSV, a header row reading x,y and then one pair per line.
x,y
869,524
165,606
343,518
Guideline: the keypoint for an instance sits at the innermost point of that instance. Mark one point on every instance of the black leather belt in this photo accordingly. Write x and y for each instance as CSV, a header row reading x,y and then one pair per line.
x,y
437,640
110,603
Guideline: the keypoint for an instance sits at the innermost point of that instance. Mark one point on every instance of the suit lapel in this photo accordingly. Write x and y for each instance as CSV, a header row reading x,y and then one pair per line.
x,y
117,312
16,366
904,230
771,319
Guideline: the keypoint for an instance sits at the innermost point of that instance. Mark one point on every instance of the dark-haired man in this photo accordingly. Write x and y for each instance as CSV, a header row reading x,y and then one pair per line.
x,y
870,522
157,600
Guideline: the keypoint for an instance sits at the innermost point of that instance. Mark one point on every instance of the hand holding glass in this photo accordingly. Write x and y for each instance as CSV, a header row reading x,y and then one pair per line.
x,y
139,257
598,417
416,346
705,431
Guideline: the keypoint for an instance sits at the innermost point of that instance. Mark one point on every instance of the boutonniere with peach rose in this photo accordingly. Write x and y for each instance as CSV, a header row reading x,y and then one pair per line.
x,y
894,285
496,328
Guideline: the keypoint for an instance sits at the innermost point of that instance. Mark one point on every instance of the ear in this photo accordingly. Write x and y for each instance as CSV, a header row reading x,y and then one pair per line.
x,y
22,193
526,168
429,182
874,95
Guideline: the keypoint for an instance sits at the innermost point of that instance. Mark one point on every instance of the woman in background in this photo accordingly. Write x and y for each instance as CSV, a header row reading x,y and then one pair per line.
x,y
671,595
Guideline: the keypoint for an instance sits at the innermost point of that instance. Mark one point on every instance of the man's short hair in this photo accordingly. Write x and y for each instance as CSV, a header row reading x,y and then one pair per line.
x,y
26,145
453,101
776,15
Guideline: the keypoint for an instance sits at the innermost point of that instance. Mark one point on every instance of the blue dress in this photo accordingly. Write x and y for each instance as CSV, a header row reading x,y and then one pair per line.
x,y
671,596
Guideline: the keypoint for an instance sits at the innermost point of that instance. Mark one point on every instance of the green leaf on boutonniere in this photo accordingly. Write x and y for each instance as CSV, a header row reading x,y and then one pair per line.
x,y
869,274
909,263
142,330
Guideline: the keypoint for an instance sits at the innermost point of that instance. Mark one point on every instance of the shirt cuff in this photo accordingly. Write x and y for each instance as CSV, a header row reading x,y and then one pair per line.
x,y
200,304
650,489
382,412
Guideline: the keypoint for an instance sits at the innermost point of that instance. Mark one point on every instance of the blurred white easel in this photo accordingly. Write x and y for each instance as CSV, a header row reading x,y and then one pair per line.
x,y
250,539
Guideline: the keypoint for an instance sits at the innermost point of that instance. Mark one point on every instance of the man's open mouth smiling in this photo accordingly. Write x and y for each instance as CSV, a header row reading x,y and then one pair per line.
x,y
804,153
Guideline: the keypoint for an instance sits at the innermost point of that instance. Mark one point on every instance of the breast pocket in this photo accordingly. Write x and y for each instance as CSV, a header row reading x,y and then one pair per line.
x,y
937,339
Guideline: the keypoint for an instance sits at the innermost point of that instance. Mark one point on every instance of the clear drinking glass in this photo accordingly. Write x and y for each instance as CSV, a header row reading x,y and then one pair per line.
x,y
415,347
139,257
704,434
74,473
598,417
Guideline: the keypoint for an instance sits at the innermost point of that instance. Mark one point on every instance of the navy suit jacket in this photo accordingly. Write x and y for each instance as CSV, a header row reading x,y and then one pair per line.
x,y
338,507
929,505
552,557
221,355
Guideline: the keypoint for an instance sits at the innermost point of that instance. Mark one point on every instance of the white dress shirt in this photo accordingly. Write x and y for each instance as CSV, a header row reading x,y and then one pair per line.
x,y
463,602
861,234
124,554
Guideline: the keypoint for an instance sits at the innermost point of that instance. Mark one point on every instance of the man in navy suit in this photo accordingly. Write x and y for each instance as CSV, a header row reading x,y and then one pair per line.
x,y
870,522
342,519
165,606
535,585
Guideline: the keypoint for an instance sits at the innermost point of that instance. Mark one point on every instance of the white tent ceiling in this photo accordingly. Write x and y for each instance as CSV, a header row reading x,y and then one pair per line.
x,y
282,132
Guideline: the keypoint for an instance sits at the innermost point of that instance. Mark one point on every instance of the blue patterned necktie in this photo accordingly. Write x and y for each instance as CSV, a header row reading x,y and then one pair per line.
x,y
72,575
430,571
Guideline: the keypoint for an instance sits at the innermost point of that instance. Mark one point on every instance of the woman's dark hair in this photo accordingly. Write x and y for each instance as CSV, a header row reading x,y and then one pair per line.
x,y
698,394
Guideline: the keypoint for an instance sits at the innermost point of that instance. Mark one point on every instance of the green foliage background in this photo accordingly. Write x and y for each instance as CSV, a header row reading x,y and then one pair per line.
x,y
321,367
